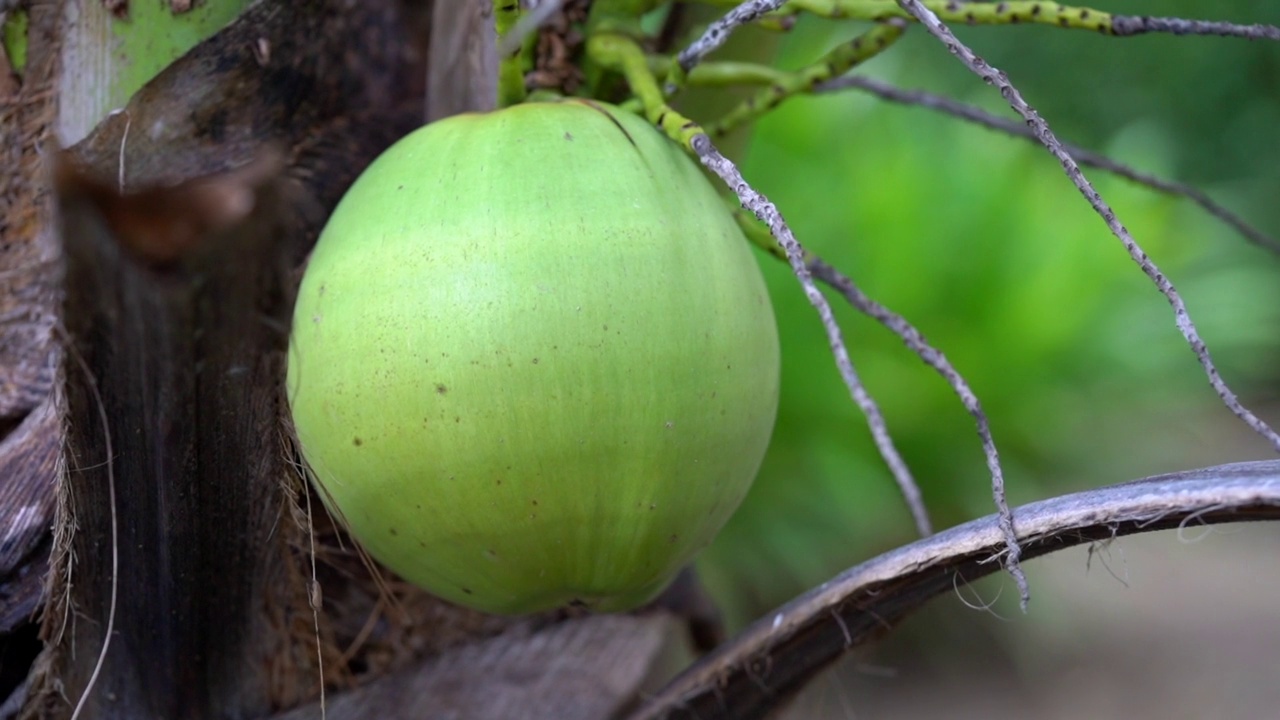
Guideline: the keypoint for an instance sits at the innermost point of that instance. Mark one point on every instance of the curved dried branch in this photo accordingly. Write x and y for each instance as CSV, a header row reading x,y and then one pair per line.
x,y
995,77
978,116
774,658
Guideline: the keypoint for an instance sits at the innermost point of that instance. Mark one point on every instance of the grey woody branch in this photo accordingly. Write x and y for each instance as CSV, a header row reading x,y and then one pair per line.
x,y
978,116
719,31
997,78
1128,25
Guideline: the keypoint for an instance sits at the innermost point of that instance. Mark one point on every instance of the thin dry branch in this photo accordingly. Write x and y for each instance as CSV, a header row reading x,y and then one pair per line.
x,y
978,116
1128,25
916,342
720,30
997,78
768,213
778,655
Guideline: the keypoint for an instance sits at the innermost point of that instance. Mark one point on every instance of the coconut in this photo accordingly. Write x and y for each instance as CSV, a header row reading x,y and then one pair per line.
x,y
533,360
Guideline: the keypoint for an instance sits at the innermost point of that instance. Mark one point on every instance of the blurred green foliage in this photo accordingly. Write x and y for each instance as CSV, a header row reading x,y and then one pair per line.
x,y
982,242
13,34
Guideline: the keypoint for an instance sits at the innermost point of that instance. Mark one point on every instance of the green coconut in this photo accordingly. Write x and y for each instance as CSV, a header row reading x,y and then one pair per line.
x,y
534,363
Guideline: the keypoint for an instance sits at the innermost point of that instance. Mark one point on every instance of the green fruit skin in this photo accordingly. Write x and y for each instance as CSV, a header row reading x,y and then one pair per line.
x,y
534,363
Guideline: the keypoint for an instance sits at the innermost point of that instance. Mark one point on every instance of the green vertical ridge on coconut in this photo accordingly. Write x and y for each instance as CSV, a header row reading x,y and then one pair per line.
x,y
534,362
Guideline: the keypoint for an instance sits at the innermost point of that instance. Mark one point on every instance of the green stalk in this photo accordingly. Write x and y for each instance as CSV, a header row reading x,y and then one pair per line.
x,y
511,89
980,13
621,17
722,74
974,13
622,54
837,62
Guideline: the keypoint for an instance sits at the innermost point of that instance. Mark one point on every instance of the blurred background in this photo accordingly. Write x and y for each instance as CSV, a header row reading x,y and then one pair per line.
x,y
985,246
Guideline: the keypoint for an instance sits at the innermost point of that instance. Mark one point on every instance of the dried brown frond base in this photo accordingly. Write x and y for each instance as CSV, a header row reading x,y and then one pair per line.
x,y
558,50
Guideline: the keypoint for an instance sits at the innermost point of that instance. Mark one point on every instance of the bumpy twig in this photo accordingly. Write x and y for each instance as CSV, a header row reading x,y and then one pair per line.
x,y
1041,12
768,213
719,31
994,76
1126,25
978,116
761,668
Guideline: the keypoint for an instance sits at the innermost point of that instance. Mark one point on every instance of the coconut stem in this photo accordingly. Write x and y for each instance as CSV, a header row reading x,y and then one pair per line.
x,y
835,63
511,89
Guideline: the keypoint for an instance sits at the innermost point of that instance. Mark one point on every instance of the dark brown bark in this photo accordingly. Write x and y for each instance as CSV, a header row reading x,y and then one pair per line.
x,y
583,669
172,456
30,424
176,316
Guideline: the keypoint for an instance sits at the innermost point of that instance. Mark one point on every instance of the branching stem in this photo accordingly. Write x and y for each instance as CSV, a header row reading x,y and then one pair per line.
x,y
899,326
715,36
835,63
765,211
978,116
997,78
722,73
